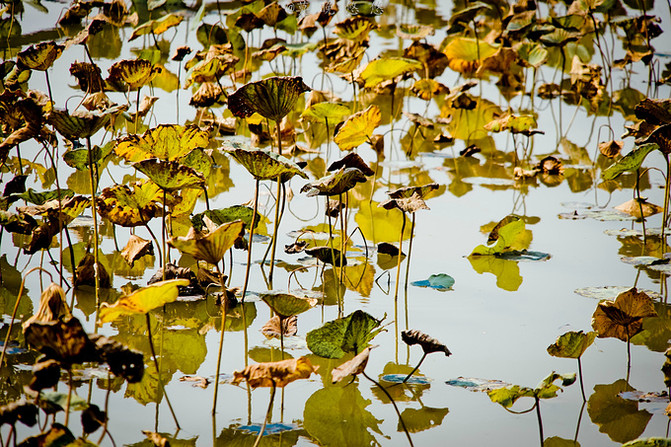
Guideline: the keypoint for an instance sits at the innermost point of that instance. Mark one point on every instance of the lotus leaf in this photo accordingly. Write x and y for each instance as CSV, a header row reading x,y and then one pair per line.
x,y
213,246
352,367
328,255
156,27
133,74
406,204
272,98
428,88
280,327
414,31
649,442
166,142
428,344
387,68
547,389
272,374
266,165
465,54
286,305
639,208
79,158
358,128
619,418
515,124
143,300
611,149
63,340
130,205
352,333
136,248
169,175
623,318
630,162
39,57
326,111
355,28
337,183
572,344
509,237
440,281
81,123
224,215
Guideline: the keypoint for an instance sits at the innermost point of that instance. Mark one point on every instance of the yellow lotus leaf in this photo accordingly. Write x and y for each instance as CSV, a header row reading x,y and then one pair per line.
x,y
39,57
355,28
156,27
143,300
132,73
465,54
268,374
166,141
358,128
623,318
388,68
170,175
428,88
272,97
210,247
185,206
130,205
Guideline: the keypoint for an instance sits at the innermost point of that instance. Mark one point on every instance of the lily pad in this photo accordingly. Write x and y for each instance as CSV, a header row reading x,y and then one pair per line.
x,y
266,165
440,281
271,429
475,384
609,292
399,378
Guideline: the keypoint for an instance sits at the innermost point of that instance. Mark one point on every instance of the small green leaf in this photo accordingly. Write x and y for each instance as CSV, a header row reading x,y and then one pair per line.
x,y
630,162
572,344
286,305
349,334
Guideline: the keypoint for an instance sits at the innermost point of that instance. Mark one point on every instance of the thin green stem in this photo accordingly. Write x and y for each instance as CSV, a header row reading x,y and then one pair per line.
x,y
416,368
540,421
400,418
94,212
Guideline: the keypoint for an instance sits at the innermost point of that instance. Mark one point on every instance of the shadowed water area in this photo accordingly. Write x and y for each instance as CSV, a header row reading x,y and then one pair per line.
x,y
507,149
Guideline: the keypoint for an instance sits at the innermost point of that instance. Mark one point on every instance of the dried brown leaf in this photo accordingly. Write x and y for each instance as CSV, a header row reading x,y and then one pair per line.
x,y
351,367
280,373
428,344
272,328
136,248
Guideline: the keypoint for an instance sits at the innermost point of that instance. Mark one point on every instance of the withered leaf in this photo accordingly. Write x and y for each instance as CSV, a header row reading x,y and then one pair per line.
x,y
279,374
272,328
46,374
296,247
611,149
405,204
62,340
156,438
201,382
52,306
428,344
352,160
335,184
136,248
93,418
351,367
123,361
639,208
623,318
550,165
19,411
85,273
88,76
328,255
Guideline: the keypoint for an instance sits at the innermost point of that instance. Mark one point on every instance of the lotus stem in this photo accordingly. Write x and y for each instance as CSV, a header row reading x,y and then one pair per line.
x,y
540,421
265,419
68,401
158,371
577,427
277,207
251,238
164,259
94,212
626,327
224,306
667,191
582,388
407,264
416,368
400,418
400,254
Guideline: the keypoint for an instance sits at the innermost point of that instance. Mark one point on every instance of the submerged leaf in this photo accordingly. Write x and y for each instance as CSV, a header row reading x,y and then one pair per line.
x,y
271,374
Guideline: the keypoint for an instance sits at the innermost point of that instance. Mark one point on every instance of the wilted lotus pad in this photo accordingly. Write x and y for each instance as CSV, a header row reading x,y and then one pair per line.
x,y
266,165
285,304
625,232
271,429
610,292
650,262
358,128
335,184
272,98
474,384
133,74
166,142
81,124
210,247
399,378
169,175
440,281
130,205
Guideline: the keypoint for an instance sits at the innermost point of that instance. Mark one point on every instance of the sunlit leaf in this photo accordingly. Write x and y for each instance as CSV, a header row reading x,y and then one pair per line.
x,y
335,184
272,98
510,236
358,128
130,205
166,142
355,28
388,68
285,304
326,112
630,162
349,334
273,374
210,247
266,165
156,27
136,248
623,318
40,56
133,73
465,54
571,344
169,175
142,300
648,442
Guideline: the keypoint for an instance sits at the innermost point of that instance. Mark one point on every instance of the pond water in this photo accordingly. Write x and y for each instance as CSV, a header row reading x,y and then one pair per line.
x,y
497,319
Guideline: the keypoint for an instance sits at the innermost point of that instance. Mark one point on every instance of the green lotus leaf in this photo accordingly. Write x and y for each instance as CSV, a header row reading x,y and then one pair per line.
x,y
224,215
39,57
166,141
198,160
559,37
130,205
169,175
40,198
572,344
508,395
335,184
143,300
326,111
286,305
630,162
212,246
272,98
79,158
387,68
349,334
547,389
533,54
81,123
265,165
156,27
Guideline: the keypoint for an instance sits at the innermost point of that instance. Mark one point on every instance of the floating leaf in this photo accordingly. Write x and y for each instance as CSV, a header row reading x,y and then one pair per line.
x,y
639,208
403,378
358,128
166,142
272,98
474,384
286,305
273,374
572,344
142,300
387,68
623,318
630,162
169,175
440,281
266,165
547,389
210,247
649,442
349,334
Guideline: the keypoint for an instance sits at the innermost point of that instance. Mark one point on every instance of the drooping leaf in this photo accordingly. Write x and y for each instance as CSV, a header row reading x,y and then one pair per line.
x,y
81,123
351,160
132,74
130,205
40,56
266,165
276,327
212,246
623,318
440,281
225,215
272,98
142,300
387,68
571,344
630,162
275,373
358,128
428,344
156,27
349,334
335,184
63,340
169,175
285,304
639,208
136,248
351,367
